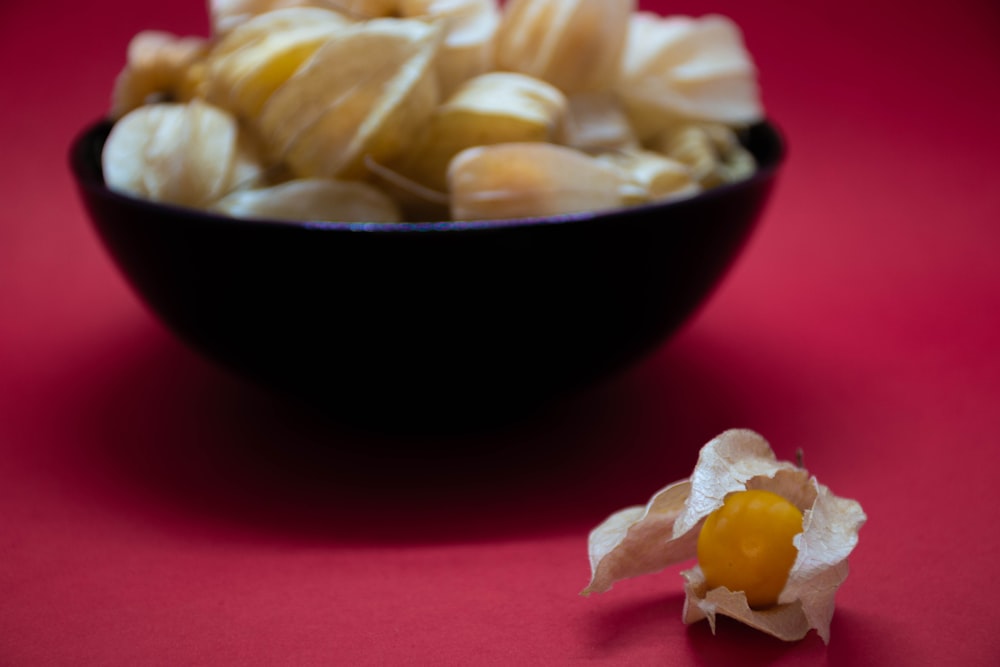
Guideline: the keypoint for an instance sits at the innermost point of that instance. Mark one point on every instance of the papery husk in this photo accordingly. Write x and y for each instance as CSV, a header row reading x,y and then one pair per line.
x,y
317,199
226,15
597,122
575,45
256,57
640,540
784,621
679,68
158,69
468,46
366,93
711,151
186,154
643,540
523,180
493,108
661,177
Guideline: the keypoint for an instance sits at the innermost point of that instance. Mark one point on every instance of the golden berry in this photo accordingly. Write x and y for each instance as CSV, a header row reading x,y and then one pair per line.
x,y
746,545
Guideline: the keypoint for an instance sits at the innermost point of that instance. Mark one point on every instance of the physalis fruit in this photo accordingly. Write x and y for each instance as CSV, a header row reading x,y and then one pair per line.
x,y
747,545
771,541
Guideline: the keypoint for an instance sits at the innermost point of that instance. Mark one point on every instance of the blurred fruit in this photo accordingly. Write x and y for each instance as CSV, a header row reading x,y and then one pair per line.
x,y
184,154
470,28
312,199
157,69
683,69
597,122
713,152
659,176
494,108
365,93
575,45
255,58
534,179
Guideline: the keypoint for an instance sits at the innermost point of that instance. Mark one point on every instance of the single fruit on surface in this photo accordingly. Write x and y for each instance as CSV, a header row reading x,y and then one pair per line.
x,y
747,545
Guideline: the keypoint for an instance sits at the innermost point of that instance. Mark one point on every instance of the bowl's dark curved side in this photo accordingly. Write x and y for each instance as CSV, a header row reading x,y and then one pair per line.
x,y
459,316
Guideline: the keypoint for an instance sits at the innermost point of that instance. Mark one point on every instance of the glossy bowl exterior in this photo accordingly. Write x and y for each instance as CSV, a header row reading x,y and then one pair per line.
x,y
451,318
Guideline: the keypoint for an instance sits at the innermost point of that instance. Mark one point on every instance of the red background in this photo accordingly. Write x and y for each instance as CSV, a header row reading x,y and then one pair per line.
x,y
155,510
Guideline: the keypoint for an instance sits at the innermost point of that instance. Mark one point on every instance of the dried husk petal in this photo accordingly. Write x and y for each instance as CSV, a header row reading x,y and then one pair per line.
x,y
641,540
786,622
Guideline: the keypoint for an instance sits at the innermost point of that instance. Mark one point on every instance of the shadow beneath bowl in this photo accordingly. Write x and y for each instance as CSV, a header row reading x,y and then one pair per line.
x,y
195,447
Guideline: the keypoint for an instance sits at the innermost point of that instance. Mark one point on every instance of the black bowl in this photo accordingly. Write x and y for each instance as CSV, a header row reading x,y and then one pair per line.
x,y
388,322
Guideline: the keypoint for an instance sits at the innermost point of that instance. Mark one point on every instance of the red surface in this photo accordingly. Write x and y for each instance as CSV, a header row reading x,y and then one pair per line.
x,y
154,510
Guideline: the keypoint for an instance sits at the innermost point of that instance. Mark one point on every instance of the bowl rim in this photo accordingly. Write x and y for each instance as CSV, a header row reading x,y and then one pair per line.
x,y
85,165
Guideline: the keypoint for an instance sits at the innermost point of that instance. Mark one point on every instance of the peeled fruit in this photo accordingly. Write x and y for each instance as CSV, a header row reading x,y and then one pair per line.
x,y
186,154
494,108
686,69
575,45
312,199
533,179
365,93
747,545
